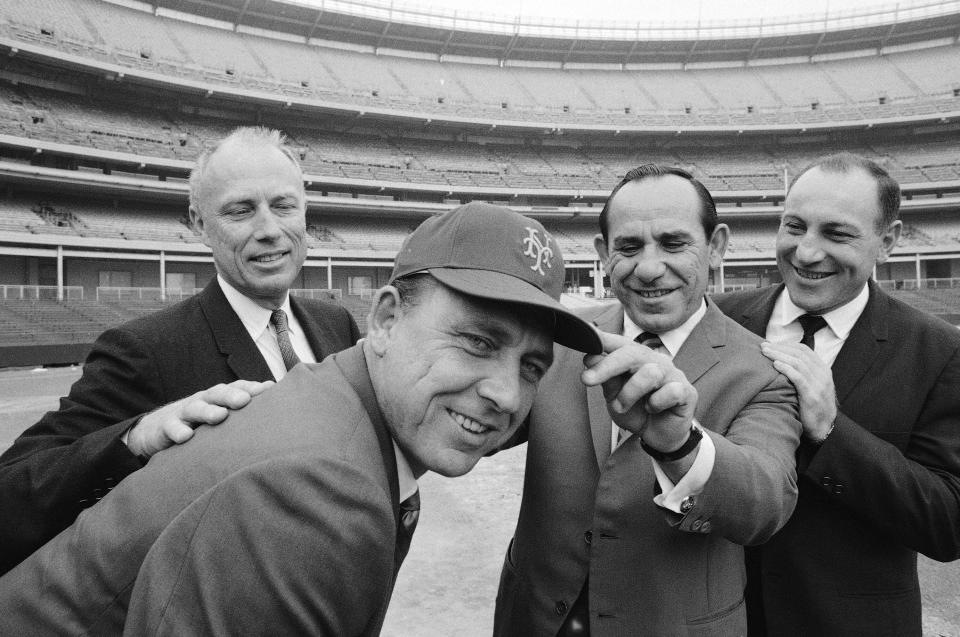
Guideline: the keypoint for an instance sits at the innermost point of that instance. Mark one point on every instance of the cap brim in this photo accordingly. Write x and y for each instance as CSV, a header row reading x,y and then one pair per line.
x,y
569,330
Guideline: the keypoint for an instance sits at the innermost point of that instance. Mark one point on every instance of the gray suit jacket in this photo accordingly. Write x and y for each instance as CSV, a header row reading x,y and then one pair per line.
x,y
587,511
280,521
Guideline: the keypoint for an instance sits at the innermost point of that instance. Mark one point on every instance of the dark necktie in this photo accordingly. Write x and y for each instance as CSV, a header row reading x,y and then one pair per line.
x,y
279,321
649,339
406,525
811,324
652,341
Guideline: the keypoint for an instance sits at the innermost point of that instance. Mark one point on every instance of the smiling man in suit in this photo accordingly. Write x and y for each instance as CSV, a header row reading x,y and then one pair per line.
x,y
247,199
648,471
879,389
293,517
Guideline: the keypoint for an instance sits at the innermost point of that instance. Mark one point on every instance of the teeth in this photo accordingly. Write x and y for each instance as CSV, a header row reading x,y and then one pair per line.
x,y
269,257
810,274
468,423
653,294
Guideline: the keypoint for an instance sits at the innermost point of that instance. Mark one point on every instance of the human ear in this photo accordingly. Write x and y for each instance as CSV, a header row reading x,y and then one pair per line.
x,y
889,239
718,244
384,313
196,220
600,245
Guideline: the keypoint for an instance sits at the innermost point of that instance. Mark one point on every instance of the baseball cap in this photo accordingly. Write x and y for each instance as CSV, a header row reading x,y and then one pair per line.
x,y
494,253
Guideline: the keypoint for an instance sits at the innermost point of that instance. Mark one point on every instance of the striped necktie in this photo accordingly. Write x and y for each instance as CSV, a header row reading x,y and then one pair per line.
x,y
279,321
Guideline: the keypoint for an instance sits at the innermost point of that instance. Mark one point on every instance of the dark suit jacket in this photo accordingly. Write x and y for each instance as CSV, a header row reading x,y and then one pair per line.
x,y
280,521
885,484
74,455
587,511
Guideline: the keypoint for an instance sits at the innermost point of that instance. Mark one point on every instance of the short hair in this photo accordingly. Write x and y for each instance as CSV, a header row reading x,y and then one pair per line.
x,y
253,135
708,209
888,190
412,287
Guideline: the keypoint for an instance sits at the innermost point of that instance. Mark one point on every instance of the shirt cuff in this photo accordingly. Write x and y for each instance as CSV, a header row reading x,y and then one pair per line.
x,y
692,483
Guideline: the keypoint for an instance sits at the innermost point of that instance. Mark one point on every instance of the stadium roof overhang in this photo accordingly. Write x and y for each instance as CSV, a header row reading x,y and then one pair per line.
x,y
566,43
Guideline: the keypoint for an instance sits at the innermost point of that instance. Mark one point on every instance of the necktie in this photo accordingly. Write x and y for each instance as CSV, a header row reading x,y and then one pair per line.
x,y
649,339
652,341
409,515
279,321
811,324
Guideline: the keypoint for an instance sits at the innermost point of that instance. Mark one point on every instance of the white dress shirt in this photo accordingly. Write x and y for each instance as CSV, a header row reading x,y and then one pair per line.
x,y
256,319
692,483
784,327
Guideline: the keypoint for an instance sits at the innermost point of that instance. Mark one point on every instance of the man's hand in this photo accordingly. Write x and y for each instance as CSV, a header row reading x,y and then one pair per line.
x,y
174,423
814,382
645,392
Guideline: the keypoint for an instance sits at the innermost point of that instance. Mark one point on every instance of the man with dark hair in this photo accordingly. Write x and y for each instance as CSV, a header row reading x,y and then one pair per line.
x,y
293,517
146,384
648,471
879,389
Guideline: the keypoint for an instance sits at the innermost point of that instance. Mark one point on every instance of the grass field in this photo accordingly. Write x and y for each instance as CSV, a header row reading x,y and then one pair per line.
x,y
448,583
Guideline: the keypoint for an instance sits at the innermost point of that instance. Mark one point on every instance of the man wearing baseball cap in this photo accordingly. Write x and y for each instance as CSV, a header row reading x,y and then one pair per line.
x,y
293,517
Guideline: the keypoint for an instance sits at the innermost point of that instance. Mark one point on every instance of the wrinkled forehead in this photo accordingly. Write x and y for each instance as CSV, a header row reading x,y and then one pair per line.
x,y
658,203
829,196
239,171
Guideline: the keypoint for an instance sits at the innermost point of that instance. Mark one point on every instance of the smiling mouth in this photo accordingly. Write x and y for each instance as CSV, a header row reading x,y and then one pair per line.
x,y
651,294
468,423
811,275
270,258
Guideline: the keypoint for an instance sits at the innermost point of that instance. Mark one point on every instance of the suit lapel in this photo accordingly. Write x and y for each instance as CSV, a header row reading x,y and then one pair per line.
x,y
696,355
231,336
601,424
755,314
318,334
863,344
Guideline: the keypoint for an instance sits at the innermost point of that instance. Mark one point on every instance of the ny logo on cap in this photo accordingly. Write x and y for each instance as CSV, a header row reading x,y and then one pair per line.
x,y
540,251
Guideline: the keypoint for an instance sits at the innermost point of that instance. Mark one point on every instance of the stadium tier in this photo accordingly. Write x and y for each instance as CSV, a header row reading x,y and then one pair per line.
x,y
105,105
858,86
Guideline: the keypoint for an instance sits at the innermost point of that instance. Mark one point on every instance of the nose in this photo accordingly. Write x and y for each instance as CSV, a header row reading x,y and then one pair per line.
x,y
648,266
808,250
501,386
267,227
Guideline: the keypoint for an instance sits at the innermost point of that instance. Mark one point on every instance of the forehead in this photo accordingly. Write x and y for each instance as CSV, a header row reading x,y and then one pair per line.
x,y
833,197
667,203
238,169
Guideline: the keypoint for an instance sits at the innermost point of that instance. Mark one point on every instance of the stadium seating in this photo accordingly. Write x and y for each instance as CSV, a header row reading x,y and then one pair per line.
x,y
835,90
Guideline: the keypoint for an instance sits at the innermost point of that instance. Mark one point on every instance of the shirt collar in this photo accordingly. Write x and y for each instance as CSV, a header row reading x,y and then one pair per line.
x,y
840,320
405,479
254,317
673,339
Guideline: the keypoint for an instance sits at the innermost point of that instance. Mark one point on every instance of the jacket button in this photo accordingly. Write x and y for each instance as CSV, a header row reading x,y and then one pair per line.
x,y
588,537
706,527
826,481
838,489
696,524
687,503
561,607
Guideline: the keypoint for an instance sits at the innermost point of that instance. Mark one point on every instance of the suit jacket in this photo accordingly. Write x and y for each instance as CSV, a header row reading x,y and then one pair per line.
x,y
587,511
73,456
884,485
280,521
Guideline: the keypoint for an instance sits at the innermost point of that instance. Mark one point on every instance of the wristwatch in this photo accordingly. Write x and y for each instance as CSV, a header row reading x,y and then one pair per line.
x,y
696,434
